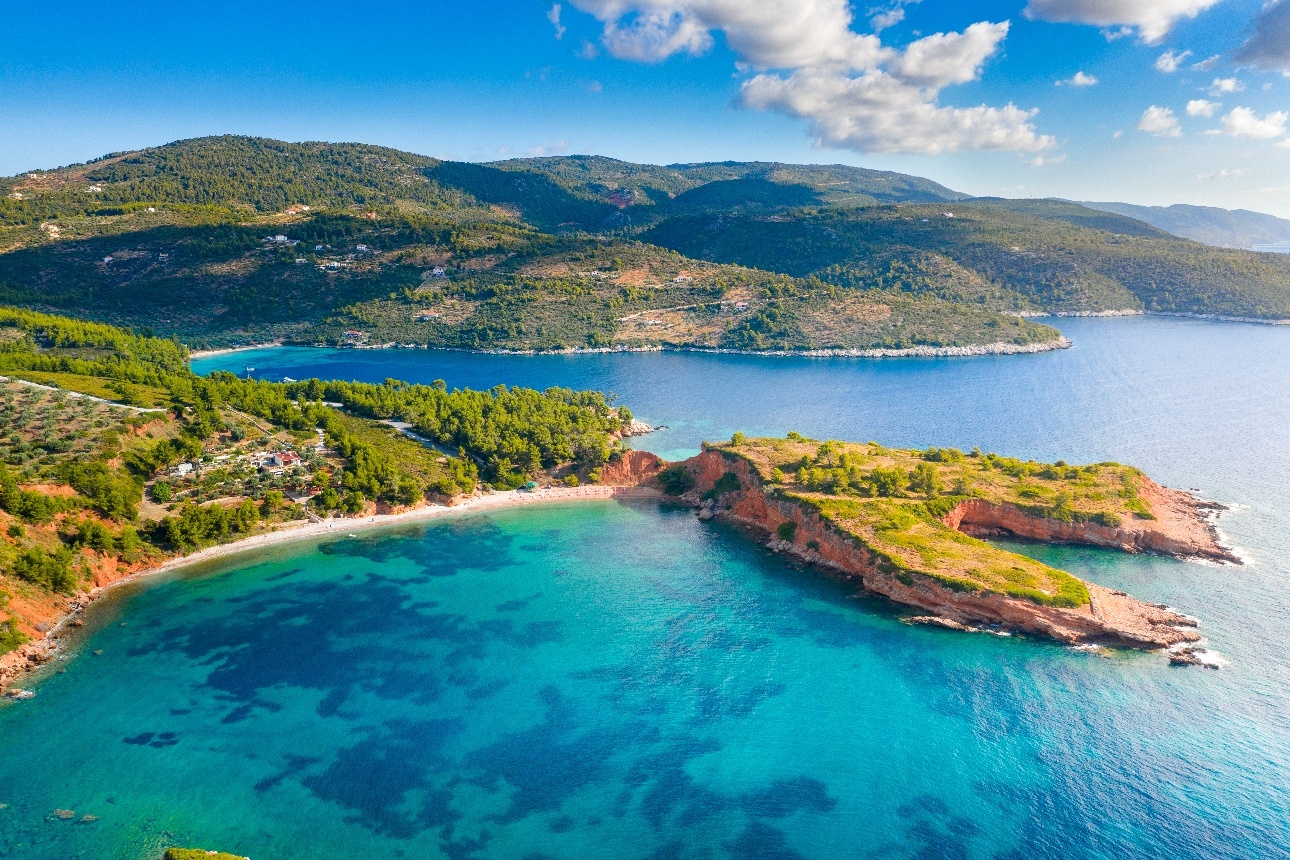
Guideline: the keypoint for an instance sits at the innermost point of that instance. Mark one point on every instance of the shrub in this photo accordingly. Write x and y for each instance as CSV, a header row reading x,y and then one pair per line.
x,y
727,483
10,637
786,530
51,570
925,480
676,479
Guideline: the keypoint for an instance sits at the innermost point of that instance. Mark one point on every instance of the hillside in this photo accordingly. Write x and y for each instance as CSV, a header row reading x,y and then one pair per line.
x,y
1226,228
226,240
1019,255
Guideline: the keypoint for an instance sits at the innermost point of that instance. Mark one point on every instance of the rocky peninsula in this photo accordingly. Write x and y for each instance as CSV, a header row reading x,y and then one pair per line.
x,y
907,525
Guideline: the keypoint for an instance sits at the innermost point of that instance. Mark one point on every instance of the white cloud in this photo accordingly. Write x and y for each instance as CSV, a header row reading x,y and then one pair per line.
x,y
1080,79
554,17
1225,85
1285,144
561,148
771,34
1152,19
1243,122
595,87
854,91
1044,161
1170,61
1202,107
1269,44
588,51
942,59
1225,173
1208,64
1159,121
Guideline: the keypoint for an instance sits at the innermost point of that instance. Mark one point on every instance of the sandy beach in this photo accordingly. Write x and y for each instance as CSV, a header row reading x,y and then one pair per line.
x,y
17,664
207,353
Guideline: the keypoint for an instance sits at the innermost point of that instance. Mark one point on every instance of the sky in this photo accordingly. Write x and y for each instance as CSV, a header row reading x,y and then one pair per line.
x,y
1142,101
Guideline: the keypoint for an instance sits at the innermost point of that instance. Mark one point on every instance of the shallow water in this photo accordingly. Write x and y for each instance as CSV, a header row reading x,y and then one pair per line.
x,y
617,680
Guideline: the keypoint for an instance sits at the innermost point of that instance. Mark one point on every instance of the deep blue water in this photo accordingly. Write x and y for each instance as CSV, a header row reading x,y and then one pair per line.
x,y
608,680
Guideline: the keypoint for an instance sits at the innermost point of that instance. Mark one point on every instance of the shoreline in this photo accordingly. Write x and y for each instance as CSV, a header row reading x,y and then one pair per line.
x,y
30,657
211,353
999,348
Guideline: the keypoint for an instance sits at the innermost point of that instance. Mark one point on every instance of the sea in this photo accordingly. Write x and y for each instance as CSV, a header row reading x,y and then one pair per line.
x,y
616,679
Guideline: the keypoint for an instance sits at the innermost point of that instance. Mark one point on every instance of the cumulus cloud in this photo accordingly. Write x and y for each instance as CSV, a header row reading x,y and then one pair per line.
x,y
772,34
1269,44
1225,173
854,91
1159,121
1243,122
1202,107
1170,61
1208,64
1152,19
1080,79
554,17
1225,85
882,18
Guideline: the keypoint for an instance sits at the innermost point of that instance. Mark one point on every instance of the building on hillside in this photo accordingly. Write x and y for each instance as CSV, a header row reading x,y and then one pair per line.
x,y
438,272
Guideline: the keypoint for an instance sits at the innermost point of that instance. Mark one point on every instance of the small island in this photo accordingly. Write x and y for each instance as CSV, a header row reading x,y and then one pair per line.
x,y
907,524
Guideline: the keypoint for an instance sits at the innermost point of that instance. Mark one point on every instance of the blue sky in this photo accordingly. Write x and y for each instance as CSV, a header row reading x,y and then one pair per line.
x,y
691,80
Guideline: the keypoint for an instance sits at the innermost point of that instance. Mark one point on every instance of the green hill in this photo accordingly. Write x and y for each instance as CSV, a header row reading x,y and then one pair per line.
x,y
1021,255
228,239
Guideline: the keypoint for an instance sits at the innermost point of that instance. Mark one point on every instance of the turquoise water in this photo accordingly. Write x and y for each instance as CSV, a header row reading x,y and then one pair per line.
x,y
618,680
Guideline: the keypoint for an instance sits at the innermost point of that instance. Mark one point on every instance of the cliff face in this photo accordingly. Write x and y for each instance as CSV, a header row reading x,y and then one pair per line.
x,y
1181,528
630,469
1111,617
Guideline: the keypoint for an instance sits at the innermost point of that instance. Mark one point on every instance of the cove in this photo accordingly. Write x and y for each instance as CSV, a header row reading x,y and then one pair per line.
x,y
619,680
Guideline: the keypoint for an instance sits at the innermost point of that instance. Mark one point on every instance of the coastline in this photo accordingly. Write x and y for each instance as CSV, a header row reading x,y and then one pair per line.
x,y
877,352
30,657
210,353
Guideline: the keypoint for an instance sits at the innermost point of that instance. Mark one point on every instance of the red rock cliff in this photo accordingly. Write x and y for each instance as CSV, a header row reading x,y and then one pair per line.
x,y
1111,618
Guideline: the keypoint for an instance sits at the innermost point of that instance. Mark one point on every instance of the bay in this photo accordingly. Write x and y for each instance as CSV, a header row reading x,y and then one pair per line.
x,y
618,680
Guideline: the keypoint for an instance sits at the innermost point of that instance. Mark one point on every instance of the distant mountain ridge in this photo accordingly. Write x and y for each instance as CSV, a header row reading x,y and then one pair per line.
x,y
1225,228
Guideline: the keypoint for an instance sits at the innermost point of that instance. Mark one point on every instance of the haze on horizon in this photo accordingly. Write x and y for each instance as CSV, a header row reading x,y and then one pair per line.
x,y
1143,101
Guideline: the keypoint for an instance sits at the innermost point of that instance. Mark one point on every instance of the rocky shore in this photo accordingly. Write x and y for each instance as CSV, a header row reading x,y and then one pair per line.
x,y
1182,528
876,352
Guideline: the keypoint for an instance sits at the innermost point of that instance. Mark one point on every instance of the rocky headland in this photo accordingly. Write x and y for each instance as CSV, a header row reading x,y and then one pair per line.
x,y
920,548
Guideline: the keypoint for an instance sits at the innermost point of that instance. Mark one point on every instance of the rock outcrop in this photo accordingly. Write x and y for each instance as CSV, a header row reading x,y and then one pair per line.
x,y
1182,526
630,469
1111,617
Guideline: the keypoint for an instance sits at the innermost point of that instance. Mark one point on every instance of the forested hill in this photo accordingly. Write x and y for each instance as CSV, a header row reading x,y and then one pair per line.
x,y
1025,255
228,239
